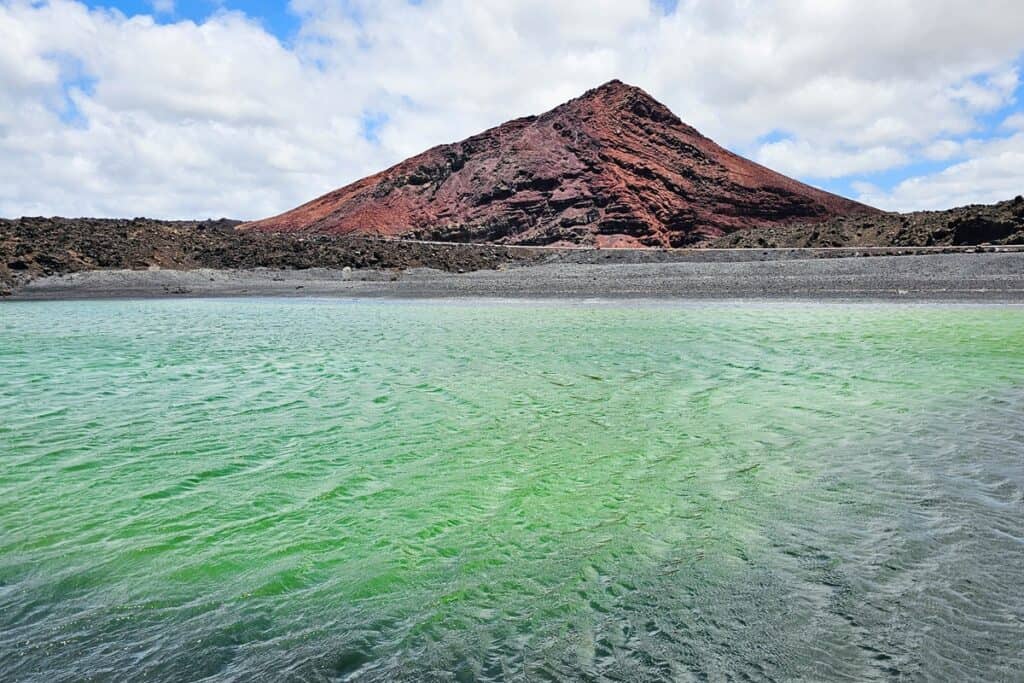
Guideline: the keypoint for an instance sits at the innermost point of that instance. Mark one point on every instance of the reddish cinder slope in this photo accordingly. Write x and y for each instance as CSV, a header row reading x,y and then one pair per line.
x,y
612,168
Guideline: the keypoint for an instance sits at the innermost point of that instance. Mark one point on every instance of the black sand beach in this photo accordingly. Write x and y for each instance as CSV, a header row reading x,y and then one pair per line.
x,y
790,275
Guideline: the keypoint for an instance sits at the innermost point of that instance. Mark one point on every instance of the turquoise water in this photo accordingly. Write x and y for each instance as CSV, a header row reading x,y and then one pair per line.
x,y
310,490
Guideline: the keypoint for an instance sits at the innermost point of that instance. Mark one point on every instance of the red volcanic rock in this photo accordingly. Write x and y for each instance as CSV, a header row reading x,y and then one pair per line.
x,y
612,168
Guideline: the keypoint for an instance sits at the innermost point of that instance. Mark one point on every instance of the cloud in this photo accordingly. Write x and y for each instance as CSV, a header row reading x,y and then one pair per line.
x,y
993,173
112,115
940,150
179,120
804,159
1014,122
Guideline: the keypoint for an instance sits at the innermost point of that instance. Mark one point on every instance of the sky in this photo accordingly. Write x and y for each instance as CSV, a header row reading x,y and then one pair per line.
x,y
210,108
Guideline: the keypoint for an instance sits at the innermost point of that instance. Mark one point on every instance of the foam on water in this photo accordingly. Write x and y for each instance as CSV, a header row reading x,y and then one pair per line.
x,y
312,490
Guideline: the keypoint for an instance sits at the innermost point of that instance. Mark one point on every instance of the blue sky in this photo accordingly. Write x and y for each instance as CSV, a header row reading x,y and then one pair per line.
x,y
919,105
276,17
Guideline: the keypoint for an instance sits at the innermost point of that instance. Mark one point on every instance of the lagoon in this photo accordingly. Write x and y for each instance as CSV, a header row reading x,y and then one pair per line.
x,y
486,490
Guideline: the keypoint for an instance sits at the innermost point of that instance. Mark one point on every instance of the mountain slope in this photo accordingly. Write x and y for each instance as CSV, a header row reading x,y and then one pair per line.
x,y
613,167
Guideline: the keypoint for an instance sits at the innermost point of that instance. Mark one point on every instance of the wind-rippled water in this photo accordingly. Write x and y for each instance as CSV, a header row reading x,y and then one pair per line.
x,y
250,490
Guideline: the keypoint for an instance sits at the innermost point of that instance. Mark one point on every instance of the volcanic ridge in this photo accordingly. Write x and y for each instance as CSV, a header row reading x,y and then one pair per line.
x,y
612,168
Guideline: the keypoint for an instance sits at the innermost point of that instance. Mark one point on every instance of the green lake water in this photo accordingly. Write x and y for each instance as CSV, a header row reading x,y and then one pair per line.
x,y
323,490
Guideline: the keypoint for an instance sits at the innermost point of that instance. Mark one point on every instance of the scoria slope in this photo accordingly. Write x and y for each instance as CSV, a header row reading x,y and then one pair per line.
x,y
613,167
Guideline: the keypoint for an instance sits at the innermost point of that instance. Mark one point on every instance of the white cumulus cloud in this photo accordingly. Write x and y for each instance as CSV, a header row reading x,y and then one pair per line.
x,y
991,174
805,159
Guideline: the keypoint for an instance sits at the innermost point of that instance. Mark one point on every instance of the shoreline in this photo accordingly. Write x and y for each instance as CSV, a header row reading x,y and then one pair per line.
x,y
958,277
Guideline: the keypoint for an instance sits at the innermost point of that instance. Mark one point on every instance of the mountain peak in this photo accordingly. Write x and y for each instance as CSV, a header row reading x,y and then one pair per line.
x,y
617,105
616,92
614,85
613,167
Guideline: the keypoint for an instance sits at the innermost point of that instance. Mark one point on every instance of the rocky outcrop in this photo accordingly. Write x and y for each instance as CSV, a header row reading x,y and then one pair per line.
x,y
613,167
977,224
35,247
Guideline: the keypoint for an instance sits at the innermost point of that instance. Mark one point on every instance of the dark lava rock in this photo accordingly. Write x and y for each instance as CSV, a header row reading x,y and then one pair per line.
x,y
996,224
35,247
611,168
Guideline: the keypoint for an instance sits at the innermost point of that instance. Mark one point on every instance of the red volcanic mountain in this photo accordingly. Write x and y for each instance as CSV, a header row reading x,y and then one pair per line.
x,y
613,168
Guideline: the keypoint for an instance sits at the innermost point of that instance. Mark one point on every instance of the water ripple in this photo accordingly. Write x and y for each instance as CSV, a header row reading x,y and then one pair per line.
x,y
239,490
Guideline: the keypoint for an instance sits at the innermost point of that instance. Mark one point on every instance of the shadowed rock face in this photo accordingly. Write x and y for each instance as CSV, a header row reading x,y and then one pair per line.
x,y
612,168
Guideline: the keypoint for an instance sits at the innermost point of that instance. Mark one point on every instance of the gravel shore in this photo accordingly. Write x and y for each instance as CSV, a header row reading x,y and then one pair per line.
x,y
986,277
